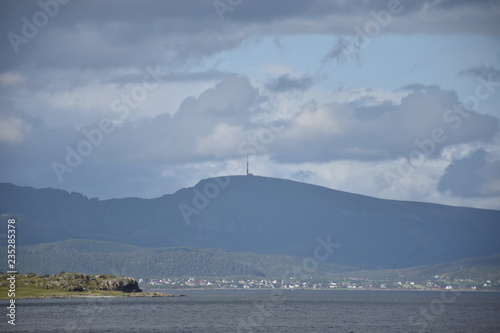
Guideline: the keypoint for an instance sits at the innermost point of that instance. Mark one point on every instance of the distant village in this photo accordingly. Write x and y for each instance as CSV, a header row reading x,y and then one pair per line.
x,y
435,283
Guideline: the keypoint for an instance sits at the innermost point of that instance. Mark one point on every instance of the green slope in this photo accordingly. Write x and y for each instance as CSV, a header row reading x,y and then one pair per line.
x,y
99,257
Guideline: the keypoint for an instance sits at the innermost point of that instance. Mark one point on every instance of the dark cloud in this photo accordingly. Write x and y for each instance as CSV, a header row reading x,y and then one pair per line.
x,y
418,87
476,175
448,4
484,72
114,34
285,83
302,175
344,50
106,34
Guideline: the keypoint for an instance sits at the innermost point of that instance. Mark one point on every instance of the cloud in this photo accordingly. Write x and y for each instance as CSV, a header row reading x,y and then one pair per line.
x,y
121,34
418,87
473,176
11,79
190,76
132,158
484,72
285,83
302,175
12,130
361,97
343,51
204,127
213,98
425,122
15,127
214,125
222,142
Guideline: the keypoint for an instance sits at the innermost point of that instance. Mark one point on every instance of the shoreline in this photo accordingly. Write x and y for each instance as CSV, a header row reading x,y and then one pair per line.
x,y
334,289
147,294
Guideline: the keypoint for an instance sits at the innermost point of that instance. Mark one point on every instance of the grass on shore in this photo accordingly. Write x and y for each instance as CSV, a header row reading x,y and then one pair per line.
x,y
23,291
32,286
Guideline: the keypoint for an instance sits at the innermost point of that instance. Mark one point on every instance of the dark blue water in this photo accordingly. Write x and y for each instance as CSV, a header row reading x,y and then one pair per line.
x,y
212,311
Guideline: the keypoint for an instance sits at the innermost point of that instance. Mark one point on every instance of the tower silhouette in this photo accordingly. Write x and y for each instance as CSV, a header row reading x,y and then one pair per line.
x,y
248,169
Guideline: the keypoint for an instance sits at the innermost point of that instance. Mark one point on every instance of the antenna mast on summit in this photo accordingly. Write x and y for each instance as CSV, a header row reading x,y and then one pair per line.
x,y
248,168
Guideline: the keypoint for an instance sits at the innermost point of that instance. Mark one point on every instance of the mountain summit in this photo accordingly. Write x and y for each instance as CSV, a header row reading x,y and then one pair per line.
x,y
263,215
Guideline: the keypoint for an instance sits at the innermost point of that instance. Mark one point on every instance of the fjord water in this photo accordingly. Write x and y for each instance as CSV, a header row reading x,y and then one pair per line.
x,y
304,311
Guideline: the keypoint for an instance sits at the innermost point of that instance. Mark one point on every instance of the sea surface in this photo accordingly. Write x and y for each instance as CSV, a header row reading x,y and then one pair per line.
x,y
299,311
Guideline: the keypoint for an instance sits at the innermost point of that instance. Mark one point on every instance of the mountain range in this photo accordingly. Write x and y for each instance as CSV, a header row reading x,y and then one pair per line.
x,y
260,215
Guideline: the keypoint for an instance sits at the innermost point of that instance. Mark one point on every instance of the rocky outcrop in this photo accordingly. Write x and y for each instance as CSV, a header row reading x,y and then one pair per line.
x,y
84,282
74,285
124,284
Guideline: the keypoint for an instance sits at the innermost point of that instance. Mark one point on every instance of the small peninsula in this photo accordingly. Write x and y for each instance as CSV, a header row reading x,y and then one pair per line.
x,y
70,285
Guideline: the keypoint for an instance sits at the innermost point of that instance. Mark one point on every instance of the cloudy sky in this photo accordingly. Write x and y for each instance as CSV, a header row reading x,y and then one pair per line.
x,y
393,99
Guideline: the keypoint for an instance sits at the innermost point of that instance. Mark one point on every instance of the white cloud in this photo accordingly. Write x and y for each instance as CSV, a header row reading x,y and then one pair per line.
x,y
367,96
424,123
319,122
13,130
222,142
11,79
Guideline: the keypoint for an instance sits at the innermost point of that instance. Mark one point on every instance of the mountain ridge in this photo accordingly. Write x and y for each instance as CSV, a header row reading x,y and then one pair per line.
x,y
211,179
262,215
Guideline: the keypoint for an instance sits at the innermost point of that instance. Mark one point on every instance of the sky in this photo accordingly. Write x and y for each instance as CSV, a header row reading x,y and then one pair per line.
x,y
391,99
